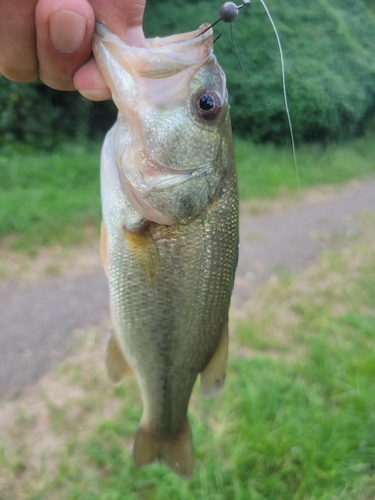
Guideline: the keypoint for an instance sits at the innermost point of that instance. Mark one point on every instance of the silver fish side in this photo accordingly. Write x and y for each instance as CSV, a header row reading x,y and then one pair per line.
x,y
170,230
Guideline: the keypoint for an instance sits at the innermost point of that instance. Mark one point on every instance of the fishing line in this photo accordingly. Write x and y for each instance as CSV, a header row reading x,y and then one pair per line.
x,y
217,38
228,13
284,91
235,48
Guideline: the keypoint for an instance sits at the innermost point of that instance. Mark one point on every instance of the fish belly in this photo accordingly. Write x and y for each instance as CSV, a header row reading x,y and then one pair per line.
x,y
170,289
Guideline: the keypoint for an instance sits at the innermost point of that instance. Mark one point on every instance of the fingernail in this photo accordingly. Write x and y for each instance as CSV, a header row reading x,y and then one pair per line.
x,y
96,95
67,30
135,37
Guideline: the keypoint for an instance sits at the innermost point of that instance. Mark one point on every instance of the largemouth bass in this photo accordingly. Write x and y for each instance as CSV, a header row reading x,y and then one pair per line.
x,y
170,230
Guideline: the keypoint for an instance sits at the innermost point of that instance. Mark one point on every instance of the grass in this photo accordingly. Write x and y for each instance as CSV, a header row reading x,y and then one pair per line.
x,y
49,198
265,170
295,421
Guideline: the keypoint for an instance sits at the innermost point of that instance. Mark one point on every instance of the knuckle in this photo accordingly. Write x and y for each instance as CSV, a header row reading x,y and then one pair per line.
x,y
57,82
18,74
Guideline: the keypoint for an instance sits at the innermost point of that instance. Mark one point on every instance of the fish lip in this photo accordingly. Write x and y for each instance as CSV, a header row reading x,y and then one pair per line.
x,y
183,42
100,29
196,36
172,178
159,58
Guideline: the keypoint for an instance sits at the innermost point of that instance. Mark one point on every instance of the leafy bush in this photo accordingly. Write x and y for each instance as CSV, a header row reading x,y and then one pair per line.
x,y
330,68
38,116
330,74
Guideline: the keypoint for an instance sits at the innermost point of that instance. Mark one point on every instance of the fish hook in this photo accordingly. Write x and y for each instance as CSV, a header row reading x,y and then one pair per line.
x,y
228,13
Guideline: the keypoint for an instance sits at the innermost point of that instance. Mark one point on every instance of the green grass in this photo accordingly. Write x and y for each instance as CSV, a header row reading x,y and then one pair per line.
x,y
51,197
264,170
295,421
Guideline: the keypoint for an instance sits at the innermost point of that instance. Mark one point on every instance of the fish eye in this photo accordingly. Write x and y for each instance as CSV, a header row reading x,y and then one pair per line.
x,y
208,104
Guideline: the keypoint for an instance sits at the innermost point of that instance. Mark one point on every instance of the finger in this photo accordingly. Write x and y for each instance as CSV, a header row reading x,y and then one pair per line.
x,y
89,81
119,15
18,59
122,17
64,33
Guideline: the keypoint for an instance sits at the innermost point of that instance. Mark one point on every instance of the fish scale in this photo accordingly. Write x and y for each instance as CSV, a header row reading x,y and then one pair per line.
x,y
170,231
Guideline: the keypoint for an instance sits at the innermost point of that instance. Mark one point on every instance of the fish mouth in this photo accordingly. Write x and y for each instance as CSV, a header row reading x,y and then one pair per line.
x,y
167,43
159,58
173,178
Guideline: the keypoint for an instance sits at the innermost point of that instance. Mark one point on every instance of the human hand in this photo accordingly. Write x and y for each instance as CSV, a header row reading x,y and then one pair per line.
x,y
52,39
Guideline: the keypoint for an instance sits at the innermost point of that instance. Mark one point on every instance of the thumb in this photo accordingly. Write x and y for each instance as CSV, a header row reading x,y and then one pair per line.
x,y
122,17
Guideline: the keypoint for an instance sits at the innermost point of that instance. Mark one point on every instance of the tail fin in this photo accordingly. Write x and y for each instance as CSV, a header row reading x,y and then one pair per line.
x,y
177,452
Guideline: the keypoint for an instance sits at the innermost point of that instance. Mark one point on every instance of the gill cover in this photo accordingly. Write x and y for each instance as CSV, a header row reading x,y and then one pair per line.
x,y
167,142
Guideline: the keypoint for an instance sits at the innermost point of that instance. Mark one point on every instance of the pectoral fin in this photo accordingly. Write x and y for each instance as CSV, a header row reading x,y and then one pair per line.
x,y
144,251
117,366
213,376
176,452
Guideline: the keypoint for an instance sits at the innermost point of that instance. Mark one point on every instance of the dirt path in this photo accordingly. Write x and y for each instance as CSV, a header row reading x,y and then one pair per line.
x,y
38,317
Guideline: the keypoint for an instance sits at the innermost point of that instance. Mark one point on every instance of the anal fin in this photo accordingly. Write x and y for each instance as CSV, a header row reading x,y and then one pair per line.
x,y
213,376
117,366
176,452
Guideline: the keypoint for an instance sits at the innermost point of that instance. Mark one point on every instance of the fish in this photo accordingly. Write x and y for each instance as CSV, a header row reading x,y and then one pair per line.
x,y
169,237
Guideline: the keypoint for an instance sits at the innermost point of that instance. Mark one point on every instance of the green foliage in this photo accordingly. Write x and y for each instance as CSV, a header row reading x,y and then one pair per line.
x,y
370,4
330,68
39,116
295,420
266,169
49,197
330,74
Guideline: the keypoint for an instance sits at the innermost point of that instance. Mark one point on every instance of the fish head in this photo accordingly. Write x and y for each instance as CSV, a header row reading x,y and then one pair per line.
x,y
173,121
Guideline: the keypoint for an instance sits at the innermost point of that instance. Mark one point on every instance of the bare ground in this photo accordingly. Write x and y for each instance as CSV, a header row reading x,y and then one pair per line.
x,y
47,301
